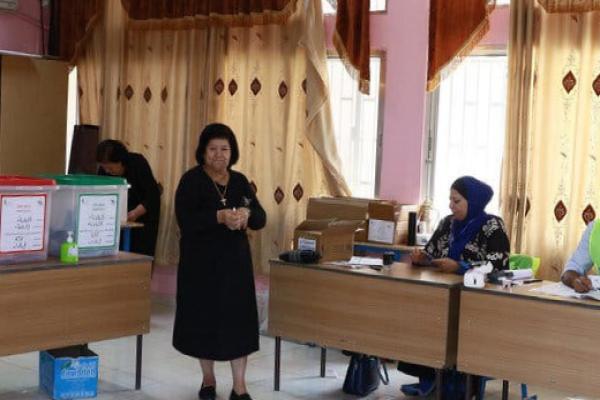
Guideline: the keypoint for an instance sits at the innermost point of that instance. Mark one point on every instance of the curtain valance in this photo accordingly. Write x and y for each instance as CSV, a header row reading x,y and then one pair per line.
x,y
73,20
351,39
455,28
145,14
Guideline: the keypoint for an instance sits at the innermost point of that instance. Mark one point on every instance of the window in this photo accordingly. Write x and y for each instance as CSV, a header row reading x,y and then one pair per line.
x,y
329,6
356,126
72,112
467,129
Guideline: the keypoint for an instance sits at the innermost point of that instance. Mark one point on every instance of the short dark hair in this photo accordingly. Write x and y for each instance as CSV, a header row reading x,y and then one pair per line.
x,y
217,131
111,150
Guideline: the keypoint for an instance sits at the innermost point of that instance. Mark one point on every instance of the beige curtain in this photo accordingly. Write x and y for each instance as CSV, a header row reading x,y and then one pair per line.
x,y
570,6
550,172
267,82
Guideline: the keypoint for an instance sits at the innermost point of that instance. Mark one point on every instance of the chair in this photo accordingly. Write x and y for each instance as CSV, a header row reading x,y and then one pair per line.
x,y
516,261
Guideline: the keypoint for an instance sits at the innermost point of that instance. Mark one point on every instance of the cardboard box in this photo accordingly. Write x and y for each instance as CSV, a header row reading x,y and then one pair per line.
x,y
361,232
343,208
388,222
69,373
384,210
333,239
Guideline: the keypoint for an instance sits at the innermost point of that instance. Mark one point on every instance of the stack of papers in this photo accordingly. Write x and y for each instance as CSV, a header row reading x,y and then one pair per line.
x,y
562,290
360,261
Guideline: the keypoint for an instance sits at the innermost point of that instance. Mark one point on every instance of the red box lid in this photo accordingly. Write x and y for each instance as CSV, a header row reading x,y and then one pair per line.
x,y
12,180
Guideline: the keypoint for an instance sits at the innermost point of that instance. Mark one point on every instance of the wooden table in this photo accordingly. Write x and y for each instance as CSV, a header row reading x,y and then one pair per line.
x,y
401,313
524,336
401,251
48,304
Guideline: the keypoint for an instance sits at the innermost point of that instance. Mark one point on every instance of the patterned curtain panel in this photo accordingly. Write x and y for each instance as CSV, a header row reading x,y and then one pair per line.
x,y
71,23
455,28
550,173
201,13
570,6
265,82
351,39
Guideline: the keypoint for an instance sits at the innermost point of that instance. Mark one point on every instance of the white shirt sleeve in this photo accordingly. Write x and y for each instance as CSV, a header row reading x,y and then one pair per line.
x,y
581,261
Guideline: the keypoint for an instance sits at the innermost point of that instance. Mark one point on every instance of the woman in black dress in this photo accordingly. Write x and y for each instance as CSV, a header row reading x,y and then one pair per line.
x,y
464,238
216,317
143,197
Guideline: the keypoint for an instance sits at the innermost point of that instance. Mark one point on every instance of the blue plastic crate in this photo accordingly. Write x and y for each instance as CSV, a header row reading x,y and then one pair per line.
x,y
69,373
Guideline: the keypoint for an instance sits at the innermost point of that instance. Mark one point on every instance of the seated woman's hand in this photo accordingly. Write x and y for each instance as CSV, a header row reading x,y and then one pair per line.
x,y
418,256
580,283
446,264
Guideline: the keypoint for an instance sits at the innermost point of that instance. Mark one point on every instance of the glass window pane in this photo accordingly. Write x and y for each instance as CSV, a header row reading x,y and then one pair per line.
x,y
329,6
355,120
470,127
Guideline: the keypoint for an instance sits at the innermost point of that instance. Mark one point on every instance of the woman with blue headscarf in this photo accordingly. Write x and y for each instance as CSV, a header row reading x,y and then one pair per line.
x,y
469,235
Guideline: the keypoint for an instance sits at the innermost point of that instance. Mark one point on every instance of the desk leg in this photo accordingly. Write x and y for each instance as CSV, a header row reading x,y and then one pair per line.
x,y
438,383
126,239
504,390
277,362
468,386
138,362
323,361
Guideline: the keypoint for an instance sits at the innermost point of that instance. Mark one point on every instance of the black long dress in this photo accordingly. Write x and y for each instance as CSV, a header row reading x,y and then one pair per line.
x,y
144,190
216,316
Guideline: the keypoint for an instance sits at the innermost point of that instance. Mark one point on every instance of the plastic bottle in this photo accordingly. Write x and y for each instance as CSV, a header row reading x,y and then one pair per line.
x,y
69,253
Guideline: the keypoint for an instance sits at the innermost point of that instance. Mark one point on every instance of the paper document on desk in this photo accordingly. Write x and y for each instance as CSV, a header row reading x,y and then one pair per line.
x,y
354,261
595,281
562,290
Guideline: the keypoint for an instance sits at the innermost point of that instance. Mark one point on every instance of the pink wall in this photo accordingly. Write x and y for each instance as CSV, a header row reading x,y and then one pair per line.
x,y
499,24
20,30
402,32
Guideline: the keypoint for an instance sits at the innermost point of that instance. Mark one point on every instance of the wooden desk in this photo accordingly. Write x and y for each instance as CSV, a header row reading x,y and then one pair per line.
x,y
48,304
401,251
515,334
401,313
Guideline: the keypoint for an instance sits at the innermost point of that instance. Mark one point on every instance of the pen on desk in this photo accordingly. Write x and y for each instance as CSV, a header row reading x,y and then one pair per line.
x,y
526,281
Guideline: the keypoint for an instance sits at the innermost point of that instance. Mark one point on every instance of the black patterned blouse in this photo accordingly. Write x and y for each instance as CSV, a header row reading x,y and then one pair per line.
x,y
489,244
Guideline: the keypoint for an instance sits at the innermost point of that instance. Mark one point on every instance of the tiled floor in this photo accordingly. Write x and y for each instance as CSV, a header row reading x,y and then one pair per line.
x,y
170,375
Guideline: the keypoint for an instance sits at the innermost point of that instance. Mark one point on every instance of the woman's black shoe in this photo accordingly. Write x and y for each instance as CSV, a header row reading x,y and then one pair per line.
x,y
207,393
235,396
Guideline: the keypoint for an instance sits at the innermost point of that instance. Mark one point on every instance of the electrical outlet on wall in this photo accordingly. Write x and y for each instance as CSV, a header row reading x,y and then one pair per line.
x,y
9,5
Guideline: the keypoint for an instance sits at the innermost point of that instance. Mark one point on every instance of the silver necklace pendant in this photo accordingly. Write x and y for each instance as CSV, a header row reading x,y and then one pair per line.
x,y
224,201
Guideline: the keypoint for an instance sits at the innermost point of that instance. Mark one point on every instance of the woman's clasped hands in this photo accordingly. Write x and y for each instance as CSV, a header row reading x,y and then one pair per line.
x,y
234,219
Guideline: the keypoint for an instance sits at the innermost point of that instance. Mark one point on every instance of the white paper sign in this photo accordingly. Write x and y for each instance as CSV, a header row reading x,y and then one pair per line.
x,y
381,231
307,244
22,222
97,220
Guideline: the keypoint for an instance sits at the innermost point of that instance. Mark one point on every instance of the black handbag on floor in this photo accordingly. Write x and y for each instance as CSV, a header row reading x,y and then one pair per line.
x,y
363,375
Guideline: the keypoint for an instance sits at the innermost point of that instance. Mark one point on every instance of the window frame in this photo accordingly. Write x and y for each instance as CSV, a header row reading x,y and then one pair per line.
x,y
431,123
382,55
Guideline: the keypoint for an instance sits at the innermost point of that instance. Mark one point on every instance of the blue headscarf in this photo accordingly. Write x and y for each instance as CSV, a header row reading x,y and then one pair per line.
x,y
478,195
